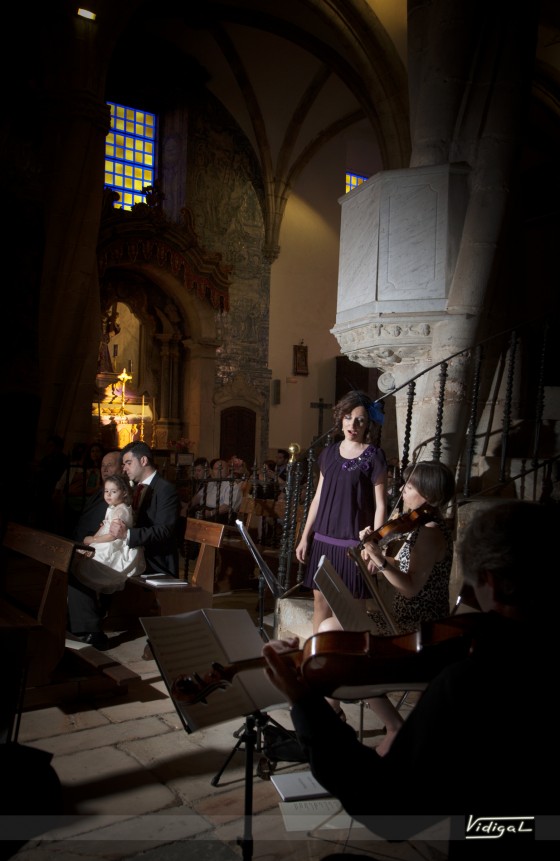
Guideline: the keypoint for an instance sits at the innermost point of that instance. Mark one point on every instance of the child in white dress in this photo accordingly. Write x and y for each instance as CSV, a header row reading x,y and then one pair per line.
x,y
113,561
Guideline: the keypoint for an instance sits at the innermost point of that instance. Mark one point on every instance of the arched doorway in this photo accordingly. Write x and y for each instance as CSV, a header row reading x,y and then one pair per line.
x,y
237,434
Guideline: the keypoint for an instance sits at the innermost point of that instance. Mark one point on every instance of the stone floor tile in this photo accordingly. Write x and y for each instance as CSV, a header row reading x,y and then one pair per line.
x,y
53,721
108,734
109,780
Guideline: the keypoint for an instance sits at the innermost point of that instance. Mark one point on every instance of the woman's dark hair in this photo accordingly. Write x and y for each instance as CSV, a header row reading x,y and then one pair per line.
x,y
433,480
123,484
348,403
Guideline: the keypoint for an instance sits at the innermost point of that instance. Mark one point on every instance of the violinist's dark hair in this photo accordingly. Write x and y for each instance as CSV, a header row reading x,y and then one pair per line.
x,y
123,484
347,404
433,480
496,541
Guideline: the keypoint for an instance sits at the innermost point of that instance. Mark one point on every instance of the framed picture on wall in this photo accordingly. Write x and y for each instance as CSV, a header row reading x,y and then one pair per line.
x,y
300,360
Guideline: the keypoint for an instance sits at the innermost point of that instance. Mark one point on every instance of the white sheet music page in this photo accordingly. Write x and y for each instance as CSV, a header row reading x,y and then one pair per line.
x,y
350,614
189,643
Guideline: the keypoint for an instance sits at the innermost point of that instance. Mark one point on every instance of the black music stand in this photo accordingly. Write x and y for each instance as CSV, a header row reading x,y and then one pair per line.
x,y
266,576
226,635
250,738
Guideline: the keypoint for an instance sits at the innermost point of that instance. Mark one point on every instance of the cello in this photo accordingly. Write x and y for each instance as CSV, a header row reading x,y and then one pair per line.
x,y
332,659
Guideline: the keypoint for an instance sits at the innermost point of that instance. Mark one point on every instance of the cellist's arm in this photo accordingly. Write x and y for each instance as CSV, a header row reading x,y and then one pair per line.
x,y
282,671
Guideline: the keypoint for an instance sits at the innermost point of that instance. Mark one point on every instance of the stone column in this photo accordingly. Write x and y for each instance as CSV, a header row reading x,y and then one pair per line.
x,y
200,381
74,130
418,247
168,423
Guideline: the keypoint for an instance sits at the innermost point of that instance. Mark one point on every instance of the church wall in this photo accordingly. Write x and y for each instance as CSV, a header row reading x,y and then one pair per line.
x,y
304,288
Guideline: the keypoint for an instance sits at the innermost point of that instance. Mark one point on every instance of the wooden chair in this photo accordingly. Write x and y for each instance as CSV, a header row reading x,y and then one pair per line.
x,y
209,536
153,595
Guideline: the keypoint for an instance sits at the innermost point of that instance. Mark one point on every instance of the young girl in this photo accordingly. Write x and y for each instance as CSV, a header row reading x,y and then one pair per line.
x,y
107,570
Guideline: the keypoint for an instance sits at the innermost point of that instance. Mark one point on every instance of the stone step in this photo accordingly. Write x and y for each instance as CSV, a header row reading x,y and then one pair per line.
x,y
295,617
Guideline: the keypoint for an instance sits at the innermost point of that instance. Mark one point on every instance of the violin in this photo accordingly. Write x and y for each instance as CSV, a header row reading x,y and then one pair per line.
x,y
332,659
403,523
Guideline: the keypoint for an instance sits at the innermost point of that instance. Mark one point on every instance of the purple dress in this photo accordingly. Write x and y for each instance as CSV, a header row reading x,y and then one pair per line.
x,y
347,505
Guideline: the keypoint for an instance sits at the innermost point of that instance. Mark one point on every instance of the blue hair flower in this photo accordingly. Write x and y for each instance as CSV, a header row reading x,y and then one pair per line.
x,y
375,412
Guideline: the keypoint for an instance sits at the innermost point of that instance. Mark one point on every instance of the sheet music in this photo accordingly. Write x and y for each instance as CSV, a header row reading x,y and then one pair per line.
x,y
350,613
189,643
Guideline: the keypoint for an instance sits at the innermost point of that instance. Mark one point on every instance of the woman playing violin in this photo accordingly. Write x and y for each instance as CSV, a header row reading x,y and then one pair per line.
x,y
419,574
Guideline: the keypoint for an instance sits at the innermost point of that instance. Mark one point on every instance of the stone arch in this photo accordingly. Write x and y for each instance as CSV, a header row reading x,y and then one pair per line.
x,y
175,290
241,393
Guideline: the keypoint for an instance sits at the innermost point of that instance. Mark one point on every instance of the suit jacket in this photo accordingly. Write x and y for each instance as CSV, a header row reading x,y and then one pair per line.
x,y
156,527
92,515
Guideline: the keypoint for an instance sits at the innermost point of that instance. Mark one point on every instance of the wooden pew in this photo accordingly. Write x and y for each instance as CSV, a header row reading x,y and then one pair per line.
x,y
33,595
165,596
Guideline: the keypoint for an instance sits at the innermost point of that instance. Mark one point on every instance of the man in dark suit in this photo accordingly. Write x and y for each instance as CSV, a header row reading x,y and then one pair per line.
x,y
155,529
156,512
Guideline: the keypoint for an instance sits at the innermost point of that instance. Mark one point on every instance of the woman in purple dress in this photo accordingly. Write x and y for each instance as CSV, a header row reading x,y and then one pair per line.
x,y
351,494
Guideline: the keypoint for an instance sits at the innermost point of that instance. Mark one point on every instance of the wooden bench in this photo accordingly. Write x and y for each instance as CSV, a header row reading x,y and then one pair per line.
x,y
154,596
33,595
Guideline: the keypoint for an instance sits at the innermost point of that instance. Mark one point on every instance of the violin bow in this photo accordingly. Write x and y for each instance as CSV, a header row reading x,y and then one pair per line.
x,y
369,580
415,462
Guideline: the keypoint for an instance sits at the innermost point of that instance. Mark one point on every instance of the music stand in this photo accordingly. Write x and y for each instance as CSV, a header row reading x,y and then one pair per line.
x,y
217,637
266,576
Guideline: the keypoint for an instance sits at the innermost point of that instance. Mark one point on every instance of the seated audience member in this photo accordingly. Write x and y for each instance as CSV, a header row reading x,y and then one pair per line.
x,y
221,498
114,560
94,510
240,472
201,471
270,482
282,459
465,737
156,514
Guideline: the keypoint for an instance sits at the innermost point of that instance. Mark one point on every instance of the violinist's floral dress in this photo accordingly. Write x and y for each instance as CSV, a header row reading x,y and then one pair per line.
x,y
347,505
431,602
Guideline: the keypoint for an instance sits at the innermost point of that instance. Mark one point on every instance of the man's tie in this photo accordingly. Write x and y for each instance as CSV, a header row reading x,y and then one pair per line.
x,y
137,496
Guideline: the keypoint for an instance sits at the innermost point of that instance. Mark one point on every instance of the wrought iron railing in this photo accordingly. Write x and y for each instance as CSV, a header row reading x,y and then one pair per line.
x,y
506,378
519,359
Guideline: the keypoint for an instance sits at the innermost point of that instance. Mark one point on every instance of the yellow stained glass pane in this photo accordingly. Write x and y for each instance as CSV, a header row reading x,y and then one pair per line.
x,y
130,151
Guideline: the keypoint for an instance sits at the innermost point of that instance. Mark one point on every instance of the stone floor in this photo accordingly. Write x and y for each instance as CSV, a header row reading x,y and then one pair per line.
x,y
140,787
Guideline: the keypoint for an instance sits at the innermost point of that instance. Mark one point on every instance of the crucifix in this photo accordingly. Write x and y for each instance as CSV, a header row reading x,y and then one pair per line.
x,y
321,406
124,378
